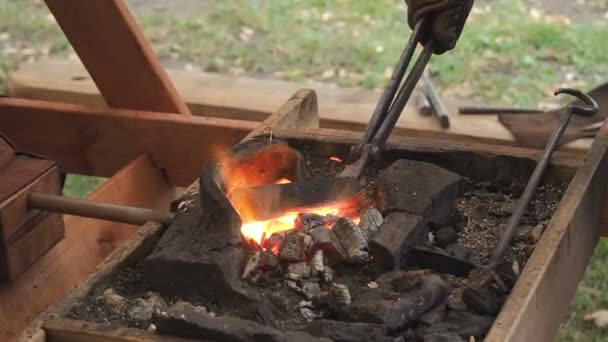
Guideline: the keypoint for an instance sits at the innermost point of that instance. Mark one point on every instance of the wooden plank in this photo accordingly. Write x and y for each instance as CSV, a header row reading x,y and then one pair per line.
x,y
65,330
299,112
105,36
539,301
254,99
99,142
87,243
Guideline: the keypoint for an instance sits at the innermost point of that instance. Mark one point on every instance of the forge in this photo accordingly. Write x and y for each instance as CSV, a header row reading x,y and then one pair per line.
x,y
378,261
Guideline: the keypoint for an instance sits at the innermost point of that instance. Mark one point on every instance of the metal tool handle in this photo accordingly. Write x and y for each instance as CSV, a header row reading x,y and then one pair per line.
x,y
523,202
102,211
388,95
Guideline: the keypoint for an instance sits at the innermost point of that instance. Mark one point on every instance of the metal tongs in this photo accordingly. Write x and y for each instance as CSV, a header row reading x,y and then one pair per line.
x,y
391,103
280,198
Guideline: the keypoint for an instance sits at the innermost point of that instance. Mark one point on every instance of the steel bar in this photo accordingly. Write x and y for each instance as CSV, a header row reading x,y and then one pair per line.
x,y
437,106
96,210
539,170
490,110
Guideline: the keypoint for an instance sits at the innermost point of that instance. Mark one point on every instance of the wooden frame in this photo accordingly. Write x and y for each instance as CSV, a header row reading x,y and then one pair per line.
x,y
550,276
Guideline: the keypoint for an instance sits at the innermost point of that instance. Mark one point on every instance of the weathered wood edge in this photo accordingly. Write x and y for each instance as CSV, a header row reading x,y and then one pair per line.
x,y
67,330
140,243
539,301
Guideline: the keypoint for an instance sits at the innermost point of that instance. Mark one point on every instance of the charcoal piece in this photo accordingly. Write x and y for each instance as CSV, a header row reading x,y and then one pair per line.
x,y
347,331
463,323
297,271
328,274
439,261
311,289
506,272
459,251
339,295
294,247
508,207
143,307
393,309
537,232
352,239
191,324
181,306
317,266
268,261
252,264
418,188
309,314
434,315
370,222
445,236
307,221
275,240
481,300
455,302
401,281
325,239
111,297
399,232
201,252
442,337
484,277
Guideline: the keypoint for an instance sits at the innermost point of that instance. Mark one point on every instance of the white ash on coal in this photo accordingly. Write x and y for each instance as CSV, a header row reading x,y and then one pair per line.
x,y
370,222
352,239
294,247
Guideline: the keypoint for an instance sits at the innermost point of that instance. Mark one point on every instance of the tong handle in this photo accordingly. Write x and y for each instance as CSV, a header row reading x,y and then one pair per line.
x,y
393,100
388,95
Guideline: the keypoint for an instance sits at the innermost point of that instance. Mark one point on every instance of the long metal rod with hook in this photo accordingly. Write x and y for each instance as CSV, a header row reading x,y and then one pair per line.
x,y
539,170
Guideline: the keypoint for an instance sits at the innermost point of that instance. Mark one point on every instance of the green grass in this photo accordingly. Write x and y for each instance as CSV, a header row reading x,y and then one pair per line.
x,y
505,56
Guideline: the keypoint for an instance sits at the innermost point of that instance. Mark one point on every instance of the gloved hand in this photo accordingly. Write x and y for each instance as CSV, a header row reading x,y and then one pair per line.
x,y
445,20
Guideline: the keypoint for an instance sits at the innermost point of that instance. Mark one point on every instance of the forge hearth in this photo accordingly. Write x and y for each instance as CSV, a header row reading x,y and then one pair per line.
x,y
372,267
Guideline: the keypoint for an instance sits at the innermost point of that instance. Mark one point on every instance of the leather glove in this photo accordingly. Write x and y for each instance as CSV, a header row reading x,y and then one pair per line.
x,y
445,20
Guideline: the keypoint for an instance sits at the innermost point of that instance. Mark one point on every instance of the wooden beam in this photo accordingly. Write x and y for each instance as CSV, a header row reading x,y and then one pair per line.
x,y
87,243
247,98
116,55
99,142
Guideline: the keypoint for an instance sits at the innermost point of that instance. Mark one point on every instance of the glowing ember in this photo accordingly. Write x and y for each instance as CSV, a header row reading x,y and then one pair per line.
x,y
258,229
258,169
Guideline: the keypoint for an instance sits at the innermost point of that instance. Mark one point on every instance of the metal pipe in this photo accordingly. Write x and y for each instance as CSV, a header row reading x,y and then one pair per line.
x,y
437,107
96,210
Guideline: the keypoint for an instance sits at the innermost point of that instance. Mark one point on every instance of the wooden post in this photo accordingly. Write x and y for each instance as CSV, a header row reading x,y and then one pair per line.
x,y
116,54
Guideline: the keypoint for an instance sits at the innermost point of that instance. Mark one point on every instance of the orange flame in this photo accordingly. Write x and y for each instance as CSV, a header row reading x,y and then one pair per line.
x,y
336,159
255,170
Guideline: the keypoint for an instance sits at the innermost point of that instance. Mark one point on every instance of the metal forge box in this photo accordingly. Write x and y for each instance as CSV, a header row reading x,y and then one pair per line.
x,y
208,278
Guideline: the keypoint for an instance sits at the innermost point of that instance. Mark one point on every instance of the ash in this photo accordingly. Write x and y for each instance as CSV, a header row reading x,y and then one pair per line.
x,y
486,207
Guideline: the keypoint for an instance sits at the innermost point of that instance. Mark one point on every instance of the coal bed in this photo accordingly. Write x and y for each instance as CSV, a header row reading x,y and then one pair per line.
x,y
400,261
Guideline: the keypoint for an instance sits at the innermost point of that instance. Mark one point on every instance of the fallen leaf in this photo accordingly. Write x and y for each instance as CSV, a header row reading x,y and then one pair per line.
x,y
599,318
